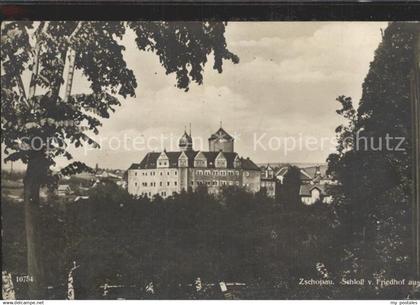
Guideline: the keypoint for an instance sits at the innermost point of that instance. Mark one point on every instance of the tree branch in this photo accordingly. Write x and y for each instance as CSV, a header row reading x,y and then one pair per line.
x,y
35,66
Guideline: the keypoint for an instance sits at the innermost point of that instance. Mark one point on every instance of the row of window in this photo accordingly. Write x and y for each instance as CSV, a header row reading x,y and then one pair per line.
x,y
149,194
154,173
217,173
216,183
168,183
219,164
198,172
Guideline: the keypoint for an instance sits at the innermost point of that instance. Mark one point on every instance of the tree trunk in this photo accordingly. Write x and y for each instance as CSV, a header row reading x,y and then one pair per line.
x,y
36,170
416,102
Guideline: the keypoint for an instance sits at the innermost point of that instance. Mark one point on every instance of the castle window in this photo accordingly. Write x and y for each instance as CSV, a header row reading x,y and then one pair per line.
x,y
135,174
161,183
167,173
168,183
176,173
161,173
135,183
175,183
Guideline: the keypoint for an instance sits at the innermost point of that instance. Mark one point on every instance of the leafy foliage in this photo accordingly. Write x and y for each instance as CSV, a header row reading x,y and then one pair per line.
x,y
52,121
127,241
37,126
372,199
289,190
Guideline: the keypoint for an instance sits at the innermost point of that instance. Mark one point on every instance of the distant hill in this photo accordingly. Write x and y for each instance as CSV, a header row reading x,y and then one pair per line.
x,y
298,164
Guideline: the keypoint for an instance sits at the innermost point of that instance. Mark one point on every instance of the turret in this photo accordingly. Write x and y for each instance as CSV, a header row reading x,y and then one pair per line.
x,y
221,141
185,142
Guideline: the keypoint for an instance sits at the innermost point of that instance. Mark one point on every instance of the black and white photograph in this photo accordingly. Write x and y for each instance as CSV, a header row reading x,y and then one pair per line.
x,y
210,160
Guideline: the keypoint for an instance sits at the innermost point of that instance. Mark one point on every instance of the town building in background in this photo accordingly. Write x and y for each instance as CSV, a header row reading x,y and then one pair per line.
x,y
168,172
317,188
268,181
314,183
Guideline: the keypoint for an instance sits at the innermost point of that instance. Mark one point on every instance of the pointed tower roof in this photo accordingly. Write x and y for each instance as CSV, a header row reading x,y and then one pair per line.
x,y
185,141
221,134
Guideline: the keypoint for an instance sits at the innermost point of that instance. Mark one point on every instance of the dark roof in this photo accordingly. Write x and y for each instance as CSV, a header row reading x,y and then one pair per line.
x,y
282,171
303,175
266,167
305,189
185,140
211,157
221,134
150,160
248,164
312,170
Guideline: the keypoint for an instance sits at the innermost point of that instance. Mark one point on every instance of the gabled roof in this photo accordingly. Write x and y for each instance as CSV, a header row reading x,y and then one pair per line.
x,y
267,167
63,187
248,164
303,175
150,160
282,171
212,155
221,134
306,189
311,170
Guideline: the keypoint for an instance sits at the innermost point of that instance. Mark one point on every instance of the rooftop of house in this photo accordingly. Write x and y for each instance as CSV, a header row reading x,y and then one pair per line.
x,y
150,160
306,189
306,173
63,187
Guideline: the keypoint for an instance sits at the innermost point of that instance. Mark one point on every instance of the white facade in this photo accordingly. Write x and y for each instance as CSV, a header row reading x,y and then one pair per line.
x,y
151,182
165,173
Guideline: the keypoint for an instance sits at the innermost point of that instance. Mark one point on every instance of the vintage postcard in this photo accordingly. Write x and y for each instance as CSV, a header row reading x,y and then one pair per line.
x,y
210,160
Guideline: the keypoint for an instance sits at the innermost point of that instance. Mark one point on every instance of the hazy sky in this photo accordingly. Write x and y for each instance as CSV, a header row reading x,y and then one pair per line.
x,y
284,86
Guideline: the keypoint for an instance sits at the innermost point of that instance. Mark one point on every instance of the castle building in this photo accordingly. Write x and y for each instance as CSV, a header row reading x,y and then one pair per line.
x,y
168,172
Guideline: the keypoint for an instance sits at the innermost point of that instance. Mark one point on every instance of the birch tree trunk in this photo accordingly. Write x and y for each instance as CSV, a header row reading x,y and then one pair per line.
x,y
37,169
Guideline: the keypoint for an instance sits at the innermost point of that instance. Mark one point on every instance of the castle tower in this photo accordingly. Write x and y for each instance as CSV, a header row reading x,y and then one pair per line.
x,y
221,141
185,142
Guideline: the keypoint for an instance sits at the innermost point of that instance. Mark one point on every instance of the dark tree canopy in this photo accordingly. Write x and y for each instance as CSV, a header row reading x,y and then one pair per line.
x,y
372,198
